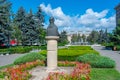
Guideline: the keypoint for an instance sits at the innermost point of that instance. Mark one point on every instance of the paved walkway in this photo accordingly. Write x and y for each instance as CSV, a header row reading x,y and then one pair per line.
x,y
8,59
115,55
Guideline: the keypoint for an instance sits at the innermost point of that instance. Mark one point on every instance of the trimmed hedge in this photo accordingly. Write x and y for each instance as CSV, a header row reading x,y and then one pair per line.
x,y
21,49
29,57
72,52
75,52
80,48
118,47
97,61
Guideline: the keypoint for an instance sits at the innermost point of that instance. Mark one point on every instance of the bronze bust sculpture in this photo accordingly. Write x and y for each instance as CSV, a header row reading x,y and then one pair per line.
x,y
52,29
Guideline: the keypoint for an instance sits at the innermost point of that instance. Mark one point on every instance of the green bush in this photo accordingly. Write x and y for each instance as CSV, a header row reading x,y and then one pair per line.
x,y
75,52
29,57
80,48
97,61
43,52
118,47
21,49
2,75
62,43
70,54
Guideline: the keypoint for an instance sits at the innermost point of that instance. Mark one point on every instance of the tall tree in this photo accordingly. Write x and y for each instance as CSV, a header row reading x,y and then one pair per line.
x,y
101,37
79,38
39,19
29,32
20,17
42,31
18,23
105,36
93,37
84,38
5,28
74,38
116,36
63,37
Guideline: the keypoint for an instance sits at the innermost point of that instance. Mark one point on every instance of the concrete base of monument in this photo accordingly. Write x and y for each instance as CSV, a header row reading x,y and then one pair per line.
x,y
58,69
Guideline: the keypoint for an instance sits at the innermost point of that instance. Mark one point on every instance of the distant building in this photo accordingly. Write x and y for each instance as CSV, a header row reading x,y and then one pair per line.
x,y
69,37
117,8
80,33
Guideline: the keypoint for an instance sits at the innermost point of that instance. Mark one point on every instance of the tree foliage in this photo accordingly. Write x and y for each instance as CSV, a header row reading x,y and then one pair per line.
x,y
74,38
98,37
116,35
5,28
30,26
93,37
39,20
18,21
79,38
63,37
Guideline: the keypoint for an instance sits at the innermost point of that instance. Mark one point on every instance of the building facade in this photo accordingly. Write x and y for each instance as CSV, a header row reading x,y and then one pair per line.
x,y
81,40
117,8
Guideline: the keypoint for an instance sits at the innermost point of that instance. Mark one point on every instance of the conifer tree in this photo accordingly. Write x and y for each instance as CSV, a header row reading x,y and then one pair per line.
x,y
63,37
39,20
5,28
116,36
18,24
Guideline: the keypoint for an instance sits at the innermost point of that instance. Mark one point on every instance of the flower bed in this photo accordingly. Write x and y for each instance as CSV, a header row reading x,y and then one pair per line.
x,y
80,72
19,72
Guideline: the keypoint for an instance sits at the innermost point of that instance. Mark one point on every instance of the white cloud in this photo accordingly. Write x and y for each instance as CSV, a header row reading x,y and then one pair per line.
x,y
88,21
61,18
91,17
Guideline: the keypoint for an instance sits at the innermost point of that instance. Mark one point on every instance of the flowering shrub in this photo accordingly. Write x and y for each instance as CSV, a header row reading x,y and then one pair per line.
x,y
80,72
17,74
20,72
57,76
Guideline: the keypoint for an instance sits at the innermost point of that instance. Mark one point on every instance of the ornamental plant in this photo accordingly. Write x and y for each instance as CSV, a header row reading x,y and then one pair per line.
x,y
80,72
20,72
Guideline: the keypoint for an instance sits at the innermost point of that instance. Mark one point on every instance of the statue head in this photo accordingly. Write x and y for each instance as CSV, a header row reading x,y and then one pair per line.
x,y
52,29
51,20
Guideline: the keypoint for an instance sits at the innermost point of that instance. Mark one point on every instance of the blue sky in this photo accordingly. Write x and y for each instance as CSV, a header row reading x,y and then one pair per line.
x,y
74,14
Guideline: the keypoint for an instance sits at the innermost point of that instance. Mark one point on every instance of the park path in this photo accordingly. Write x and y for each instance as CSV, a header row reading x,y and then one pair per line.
x,y
115,55
8,59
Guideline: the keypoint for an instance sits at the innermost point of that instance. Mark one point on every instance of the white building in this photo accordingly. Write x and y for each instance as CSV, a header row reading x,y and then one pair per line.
x,y
86,33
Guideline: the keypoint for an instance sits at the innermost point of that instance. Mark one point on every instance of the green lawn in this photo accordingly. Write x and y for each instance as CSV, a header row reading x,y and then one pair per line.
x,y
104,74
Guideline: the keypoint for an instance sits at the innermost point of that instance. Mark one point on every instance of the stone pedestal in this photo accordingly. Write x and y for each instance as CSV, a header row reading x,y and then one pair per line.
x,y
52,52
